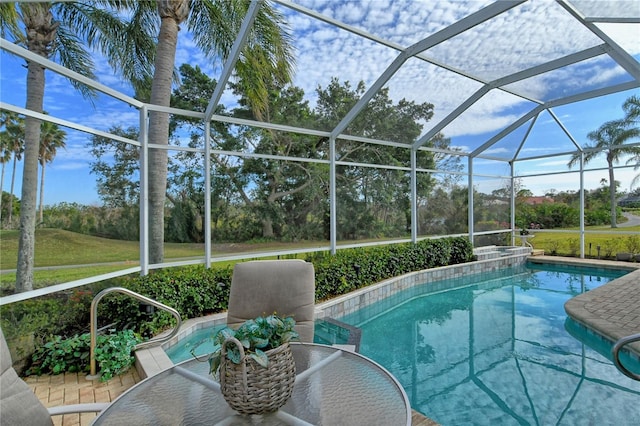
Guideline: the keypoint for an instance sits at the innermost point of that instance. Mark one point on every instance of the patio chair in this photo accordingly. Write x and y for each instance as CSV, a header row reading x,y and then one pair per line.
x,y
264,287
20,406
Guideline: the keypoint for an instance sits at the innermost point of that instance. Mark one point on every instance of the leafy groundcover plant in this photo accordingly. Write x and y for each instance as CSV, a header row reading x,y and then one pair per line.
x,y
114,355
257,336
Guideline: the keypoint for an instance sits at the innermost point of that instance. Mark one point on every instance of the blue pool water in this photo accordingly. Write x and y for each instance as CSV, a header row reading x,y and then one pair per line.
x,y
499,350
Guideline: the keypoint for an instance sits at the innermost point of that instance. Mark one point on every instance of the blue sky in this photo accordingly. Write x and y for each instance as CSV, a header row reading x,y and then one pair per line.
x,y
529,35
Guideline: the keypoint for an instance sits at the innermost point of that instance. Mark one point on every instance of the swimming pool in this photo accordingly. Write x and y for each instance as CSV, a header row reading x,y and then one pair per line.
x,y
495,350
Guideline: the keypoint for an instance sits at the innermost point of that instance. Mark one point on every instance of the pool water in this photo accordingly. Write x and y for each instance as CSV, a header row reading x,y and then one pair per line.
x,y
498,349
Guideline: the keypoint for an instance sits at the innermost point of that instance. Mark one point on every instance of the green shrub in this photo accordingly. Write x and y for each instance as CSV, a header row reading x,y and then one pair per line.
x,y
350,269
574,246
632,244
113,355
461,251
193,291
554,246
609,247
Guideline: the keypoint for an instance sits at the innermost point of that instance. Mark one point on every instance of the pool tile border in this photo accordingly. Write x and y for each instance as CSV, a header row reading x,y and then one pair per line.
x,y
351,302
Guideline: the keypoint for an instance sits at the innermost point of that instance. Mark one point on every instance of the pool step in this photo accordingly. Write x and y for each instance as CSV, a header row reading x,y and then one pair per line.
x,y
495,252
151,361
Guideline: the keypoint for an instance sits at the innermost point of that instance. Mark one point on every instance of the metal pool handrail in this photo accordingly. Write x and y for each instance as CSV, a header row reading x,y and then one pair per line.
x,y
94,320
615,351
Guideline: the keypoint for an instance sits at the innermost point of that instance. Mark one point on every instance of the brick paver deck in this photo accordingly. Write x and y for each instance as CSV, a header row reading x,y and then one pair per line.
x,y
71,388
611,310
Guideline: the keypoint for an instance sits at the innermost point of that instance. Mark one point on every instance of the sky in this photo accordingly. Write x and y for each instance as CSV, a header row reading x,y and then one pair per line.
x,y
524,37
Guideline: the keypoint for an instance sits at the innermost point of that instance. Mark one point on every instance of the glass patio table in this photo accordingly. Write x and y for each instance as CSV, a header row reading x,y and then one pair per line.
x,y
332,387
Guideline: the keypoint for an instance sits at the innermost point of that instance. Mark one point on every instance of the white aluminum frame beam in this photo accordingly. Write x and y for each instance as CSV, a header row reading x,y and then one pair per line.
x,y
564,129
144,190
557,102
386,43
72,75
524,138
618,54
513,126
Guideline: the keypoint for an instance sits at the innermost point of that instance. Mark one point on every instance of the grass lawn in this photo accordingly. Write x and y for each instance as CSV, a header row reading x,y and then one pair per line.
x,y
74,256
611,241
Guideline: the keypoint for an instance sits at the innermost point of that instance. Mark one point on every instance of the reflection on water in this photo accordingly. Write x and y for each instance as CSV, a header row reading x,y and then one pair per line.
x,y
495,350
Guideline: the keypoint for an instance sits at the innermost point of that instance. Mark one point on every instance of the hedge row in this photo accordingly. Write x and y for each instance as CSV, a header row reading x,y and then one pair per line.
x,y
351,269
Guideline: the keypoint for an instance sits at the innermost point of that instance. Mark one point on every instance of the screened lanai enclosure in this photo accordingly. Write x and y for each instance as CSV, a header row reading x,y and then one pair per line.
x,y
403,120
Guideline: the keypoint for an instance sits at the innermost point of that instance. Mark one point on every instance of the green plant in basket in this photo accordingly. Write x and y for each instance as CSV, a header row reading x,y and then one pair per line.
x,y
256,336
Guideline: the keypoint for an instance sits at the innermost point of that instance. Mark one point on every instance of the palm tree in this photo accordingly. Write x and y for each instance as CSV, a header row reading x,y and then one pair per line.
x,y
214,25
5,156
64,31
631,108
7,118
51,138
13,136
609,139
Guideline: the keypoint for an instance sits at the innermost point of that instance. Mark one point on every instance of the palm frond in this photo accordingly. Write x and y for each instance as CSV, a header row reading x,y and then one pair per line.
x,y
9,22
126,44
267,57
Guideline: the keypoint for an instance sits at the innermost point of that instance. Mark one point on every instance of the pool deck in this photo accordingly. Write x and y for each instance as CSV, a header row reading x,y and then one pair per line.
x,y
612,310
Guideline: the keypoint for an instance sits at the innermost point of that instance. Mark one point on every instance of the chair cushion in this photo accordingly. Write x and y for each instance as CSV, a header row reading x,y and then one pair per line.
x,y
18,404
264,287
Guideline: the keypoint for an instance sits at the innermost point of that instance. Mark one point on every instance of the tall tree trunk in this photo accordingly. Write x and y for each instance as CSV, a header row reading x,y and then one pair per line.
x,y
26,246
1,189
41,209
612,195
159,134
13,180
267,228
41,30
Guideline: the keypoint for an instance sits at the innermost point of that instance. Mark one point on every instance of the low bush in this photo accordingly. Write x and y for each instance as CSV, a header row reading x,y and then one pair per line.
x,y
632,244
355,268
113,355
193,291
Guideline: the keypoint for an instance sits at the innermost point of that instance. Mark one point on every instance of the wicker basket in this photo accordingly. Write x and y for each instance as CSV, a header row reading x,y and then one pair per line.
x,y
250,388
